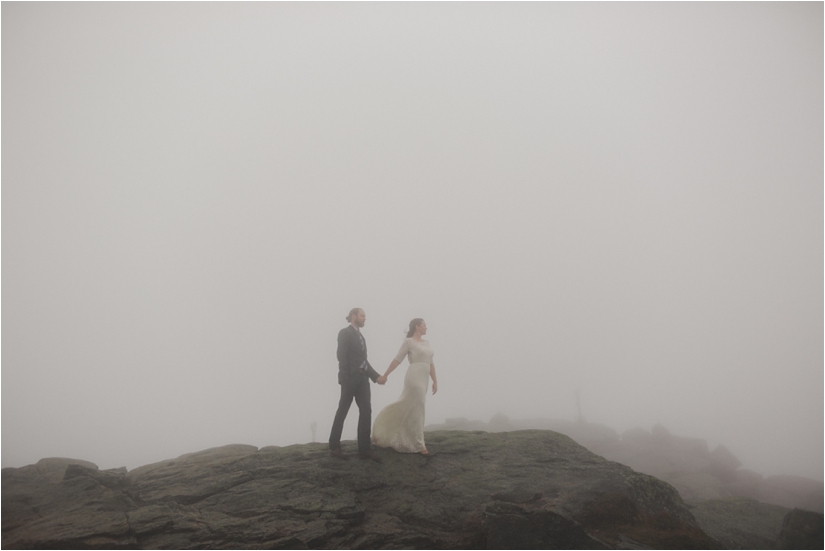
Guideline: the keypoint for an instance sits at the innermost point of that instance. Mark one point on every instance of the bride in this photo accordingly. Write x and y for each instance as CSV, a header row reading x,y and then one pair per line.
x,y
400,425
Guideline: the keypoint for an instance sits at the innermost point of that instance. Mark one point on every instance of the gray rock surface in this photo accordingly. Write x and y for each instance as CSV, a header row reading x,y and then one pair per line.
x,y
686,463
802,530
523,489
741,523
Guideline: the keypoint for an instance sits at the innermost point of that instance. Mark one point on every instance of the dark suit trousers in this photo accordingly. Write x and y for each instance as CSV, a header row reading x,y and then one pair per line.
x,y
356,386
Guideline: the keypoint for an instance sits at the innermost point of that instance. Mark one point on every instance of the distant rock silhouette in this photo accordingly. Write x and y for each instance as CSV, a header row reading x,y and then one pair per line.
x,y
723,463
523,489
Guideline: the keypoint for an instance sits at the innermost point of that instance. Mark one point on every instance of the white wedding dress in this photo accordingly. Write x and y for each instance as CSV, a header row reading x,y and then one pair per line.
x,y
400,425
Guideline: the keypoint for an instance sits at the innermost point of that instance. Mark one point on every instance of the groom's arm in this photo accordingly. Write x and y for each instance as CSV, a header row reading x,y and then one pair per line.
x,y
371,373
343,354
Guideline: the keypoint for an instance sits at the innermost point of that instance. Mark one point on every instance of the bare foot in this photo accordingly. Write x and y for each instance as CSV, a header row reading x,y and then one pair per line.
x,y
425,452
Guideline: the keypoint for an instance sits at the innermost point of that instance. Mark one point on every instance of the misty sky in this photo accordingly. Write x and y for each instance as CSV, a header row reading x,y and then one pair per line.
x,y
621,199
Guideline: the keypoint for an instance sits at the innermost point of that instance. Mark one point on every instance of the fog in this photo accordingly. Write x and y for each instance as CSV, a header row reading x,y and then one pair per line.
x,y
619,199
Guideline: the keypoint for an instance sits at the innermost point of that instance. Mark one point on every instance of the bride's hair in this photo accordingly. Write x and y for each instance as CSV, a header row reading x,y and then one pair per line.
x,y
413,324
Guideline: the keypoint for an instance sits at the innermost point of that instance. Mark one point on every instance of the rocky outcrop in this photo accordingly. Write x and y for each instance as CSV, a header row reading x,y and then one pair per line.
x,y
740,523
687,463
700,474
802,530
524,489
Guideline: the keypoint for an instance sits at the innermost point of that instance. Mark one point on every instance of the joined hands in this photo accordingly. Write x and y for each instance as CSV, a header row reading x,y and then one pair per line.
x,y
381,379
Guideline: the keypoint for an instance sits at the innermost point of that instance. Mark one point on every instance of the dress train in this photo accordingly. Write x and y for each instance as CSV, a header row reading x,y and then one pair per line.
x,y
400,425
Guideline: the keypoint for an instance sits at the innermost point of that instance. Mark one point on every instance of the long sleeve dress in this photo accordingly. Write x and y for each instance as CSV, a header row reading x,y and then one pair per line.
x,y
400,425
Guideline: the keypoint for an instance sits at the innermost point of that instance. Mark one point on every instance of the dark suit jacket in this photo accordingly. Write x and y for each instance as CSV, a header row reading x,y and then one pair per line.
x,y
351,356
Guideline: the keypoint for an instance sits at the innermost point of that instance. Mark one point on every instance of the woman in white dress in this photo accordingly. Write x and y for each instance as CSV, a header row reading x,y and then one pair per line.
x,y
400,425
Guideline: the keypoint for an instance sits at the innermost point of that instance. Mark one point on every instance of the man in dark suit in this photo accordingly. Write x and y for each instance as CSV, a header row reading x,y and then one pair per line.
x,y
354,372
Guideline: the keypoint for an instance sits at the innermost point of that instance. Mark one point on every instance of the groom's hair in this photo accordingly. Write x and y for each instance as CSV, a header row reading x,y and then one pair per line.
x,y
352,314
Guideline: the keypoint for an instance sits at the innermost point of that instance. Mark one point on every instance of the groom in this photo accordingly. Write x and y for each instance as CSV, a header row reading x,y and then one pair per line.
x,y
353,371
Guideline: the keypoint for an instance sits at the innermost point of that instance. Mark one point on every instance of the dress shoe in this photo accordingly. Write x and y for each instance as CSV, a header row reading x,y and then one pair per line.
x,y
371,455
338,454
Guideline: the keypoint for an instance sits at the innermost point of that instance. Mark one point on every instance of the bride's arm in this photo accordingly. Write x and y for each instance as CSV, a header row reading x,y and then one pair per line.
x,y
391,368
402,353
435,381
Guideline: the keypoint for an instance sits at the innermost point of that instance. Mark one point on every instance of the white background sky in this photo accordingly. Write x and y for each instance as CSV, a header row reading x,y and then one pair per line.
x,y
625,199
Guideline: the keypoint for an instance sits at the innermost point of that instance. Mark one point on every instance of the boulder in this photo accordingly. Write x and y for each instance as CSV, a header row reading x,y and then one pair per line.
x,y
740,523
746,483
522,489
499,421
722,461
24,489
801,530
